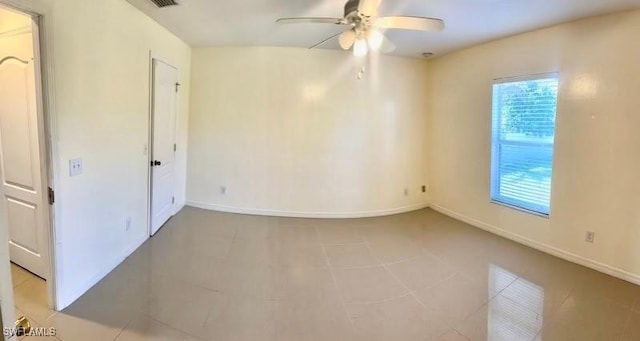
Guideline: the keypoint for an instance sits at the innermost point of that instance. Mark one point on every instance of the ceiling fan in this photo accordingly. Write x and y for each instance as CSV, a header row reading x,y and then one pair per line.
x,y
365,27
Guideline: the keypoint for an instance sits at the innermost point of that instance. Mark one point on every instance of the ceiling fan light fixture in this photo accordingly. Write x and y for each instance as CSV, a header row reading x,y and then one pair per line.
x,y
360,48
364,29
375,39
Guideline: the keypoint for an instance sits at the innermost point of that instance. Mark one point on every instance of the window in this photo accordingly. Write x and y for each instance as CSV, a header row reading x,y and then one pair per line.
x,y
524,121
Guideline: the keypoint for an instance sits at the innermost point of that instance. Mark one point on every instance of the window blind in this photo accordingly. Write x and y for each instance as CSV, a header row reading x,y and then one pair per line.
x,y
524,122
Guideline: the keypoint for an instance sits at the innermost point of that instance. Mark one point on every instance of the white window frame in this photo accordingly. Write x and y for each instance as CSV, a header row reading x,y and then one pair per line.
x,y
496,142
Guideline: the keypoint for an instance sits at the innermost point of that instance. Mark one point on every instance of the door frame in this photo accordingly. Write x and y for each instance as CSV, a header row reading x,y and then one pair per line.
x,y
149,148
47,130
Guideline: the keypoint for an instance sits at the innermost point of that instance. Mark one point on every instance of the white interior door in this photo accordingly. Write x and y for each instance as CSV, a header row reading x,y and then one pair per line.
x,y
164,101
7,308
24,197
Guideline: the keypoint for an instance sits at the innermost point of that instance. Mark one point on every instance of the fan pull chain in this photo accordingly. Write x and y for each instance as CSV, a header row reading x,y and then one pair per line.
x,y
363,69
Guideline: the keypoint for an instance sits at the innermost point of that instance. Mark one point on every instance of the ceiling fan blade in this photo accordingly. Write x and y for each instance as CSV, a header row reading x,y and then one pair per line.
x,y
347,39
410,23
312,20
368,7
326,40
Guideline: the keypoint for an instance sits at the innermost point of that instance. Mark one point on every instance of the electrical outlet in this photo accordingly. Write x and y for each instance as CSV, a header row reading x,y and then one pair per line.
x,y
590,237
424,189
128,224
223,190
75,167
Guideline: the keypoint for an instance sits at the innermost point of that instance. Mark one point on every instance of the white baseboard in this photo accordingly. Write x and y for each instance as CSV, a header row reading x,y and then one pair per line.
x,y
178,207
81,290
303,214
554,251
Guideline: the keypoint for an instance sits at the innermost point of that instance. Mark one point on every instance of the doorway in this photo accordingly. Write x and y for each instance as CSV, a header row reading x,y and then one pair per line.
x,y
25,207
164,89
22,156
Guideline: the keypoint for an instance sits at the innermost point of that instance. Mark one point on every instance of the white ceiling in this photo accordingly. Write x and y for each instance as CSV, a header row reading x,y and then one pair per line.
x,y
204,23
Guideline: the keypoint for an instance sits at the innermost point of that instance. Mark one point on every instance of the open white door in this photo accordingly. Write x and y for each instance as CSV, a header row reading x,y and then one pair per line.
x,y
24,193
7,307
164,107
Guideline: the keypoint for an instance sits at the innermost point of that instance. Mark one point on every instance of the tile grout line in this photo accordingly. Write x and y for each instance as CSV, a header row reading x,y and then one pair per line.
x,y
385,267
466,338
233,240
491,298
375,265
411,292
263,295
551,323
335,282
341,244
224,259
380,264
21,284
397,261
32,277
139,313
440,259
272,264
123,329
173,328
455,272
15,286
485,304
382,301
626,324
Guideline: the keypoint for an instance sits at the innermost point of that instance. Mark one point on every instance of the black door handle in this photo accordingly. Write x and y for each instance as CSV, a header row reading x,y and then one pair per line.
x,y
157,163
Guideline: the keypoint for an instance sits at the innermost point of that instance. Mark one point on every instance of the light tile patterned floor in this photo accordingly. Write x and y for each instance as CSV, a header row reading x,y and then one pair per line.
x,y
415,276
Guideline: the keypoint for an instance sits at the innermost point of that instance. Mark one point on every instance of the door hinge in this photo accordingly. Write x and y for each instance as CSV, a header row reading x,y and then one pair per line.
x,y
175,147
52,196
173,200
177,86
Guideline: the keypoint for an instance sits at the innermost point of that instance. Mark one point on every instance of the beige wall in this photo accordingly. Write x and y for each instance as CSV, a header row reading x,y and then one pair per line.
x,y
293,132
596,183
100,62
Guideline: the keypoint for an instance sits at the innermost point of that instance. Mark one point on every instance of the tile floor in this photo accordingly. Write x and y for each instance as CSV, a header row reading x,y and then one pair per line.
x,y
415,276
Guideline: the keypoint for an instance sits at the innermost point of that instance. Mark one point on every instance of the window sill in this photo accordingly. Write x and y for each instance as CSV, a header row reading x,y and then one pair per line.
x,y
524,210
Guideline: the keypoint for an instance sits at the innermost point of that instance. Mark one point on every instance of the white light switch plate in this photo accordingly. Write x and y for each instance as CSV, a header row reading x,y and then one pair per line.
x,y
75,167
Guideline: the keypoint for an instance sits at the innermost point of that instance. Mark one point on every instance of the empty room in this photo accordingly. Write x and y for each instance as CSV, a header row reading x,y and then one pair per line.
x,y
319,170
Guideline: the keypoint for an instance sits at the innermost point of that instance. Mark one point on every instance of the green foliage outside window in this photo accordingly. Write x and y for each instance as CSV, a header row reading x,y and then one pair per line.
x,y
529,108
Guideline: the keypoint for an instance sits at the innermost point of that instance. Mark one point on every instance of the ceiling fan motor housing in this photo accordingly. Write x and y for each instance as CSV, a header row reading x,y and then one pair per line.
x,y
351,7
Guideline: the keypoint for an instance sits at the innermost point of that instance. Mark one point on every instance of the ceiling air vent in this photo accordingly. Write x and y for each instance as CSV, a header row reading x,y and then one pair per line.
x,y
164,3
